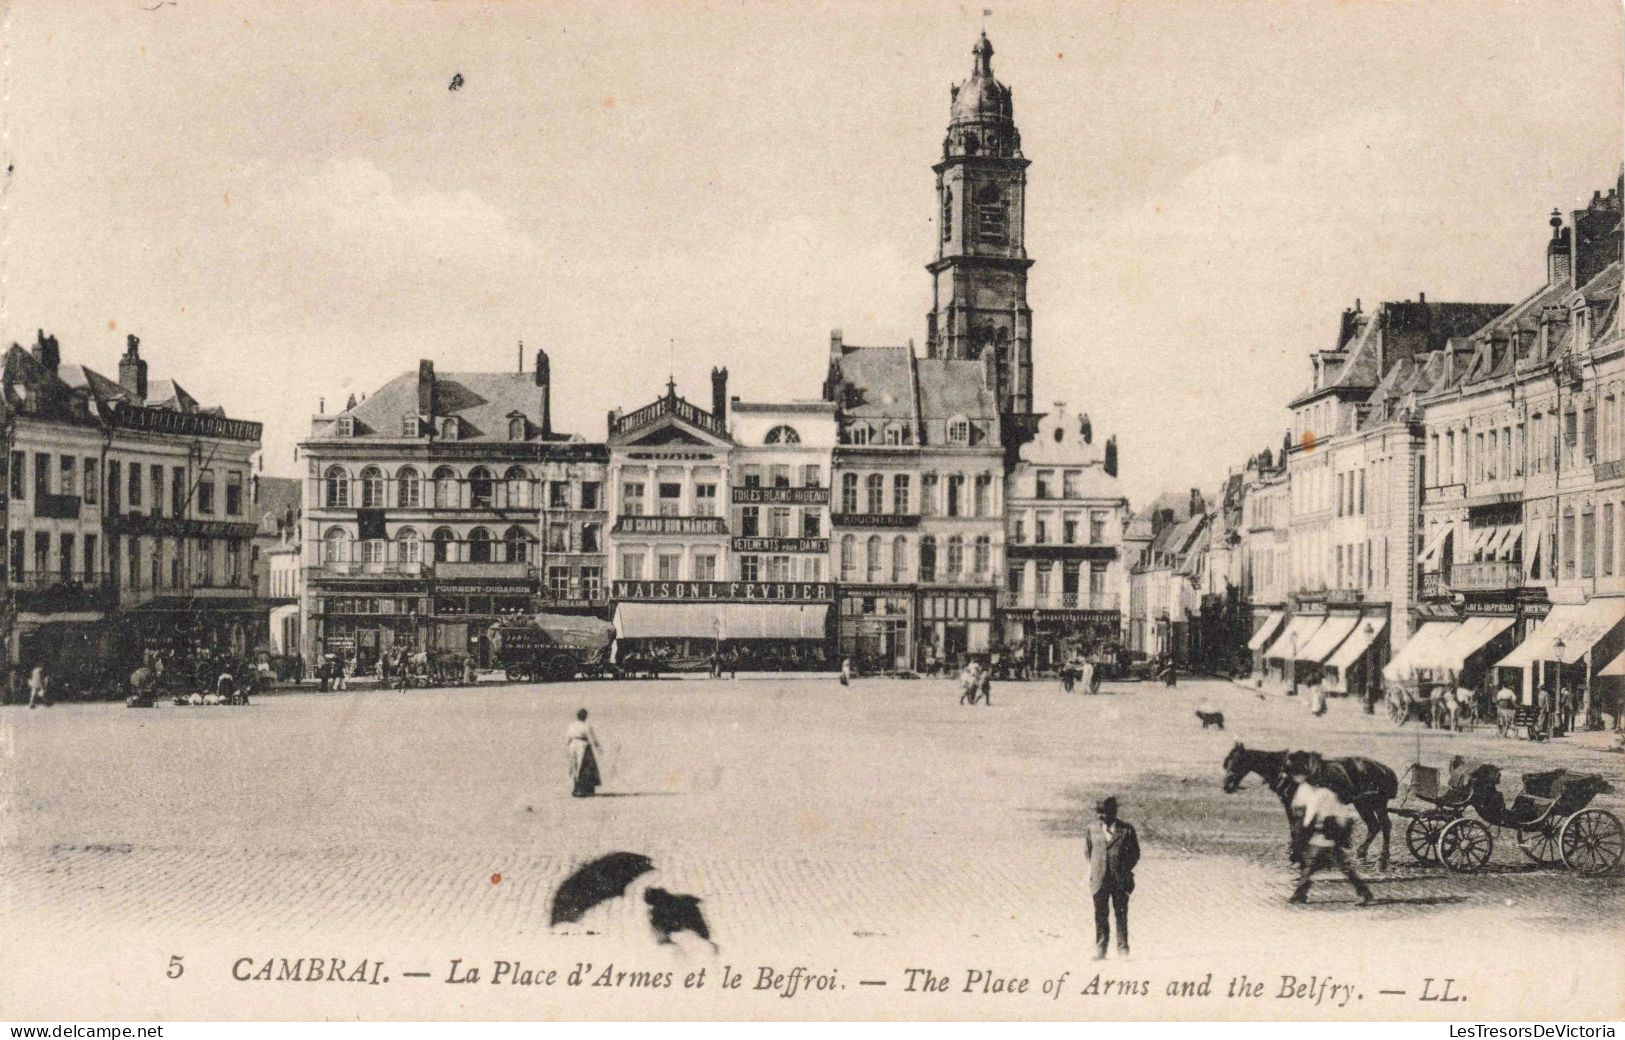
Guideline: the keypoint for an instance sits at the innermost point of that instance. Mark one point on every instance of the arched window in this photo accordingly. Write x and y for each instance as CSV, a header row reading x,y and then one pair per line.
x,y
479,545
481,488
947,214
874,487
899,558
958,430
982,556
336,546
408,493
336,494
871,559
956,556
849,558
517,480
372,488
408,549
849,492
447,495
858,433
516,429
991,215
518,545
783,435
928,558
445,546
448,428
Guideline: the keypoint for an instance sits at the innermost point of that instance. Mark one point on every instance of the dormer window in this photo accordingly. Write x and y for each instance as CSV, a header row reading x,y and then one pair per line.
x,y
958,430
346,426
516,428
409,426
858,433
448,428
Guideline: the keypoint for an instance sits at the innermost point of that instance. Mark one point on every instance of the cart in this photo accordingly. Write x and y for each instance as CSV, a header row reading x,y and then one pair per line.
x,y
1552,817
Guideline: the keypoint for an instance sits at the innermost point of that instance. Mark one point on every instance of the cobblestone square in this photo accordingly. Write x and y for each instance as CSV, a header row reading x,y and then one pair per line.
x,y
865,829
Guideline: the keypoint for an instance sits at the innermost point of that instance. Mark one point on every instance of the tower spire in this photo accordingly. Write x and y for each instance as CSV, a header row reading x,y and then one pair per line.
x,y
984,56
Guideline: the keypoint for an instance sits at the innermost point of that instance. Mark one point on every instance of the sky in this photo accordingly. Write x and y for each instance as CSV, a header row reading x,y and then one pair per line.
x,y
287,203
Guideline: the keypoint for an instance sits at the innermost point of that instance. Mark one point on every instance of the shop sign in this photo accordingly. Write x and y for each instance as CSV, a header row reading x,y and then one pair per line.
x,y
672,456
180,527
1612,470
1445,493
804,496
670,525
724,591
875,520
183,424
484,589
781,545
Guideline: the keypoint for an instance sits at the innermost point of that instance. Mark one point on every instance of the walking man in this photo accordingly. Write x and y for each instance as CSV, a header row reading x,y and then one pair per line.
x,y
1113,850
39,683
1326,824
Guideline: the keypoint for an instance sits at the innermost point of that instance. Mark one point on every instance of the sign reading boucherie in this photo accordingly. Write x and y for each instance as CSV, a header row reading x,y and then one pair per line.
x,y
805,496
723,591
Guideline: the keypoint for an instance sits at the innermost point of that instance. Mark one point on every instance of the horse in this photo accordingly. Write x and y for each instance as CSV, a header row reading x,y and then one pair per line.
x,y
1270,766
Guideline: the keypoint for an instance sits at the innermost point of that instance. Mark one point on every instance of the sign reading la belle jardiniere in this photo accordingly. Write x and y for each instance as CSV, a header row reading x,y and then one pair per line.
x,y
724,591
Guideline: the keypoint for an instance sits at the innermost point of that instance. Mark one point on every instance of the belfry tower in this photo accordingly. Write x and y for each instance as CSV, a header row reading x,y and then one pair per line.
x,y
979,278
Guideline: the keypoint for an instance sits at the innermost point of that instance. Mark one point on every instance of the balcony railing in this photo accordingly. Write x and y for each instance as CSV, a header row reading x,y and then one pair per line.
x,y
1029,600
1491,575
357,568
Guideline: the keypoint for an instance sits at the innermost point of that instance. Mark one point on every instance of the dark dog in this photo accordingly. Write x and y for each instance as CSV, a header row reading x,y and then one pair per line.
x,y
670,914
1211,718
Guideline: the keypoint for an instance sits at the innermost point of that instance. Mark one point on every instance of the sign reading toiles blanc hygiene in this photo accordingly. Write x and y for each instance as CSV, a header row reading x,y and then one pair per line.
x,y
725,591
788,496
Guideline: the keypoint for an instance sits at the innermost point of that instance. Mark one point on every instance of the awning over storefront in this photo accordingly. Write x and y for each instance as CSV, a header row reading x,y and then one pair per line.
x,y
1295,636
278,615
1266,630
720,620
1577,626
1467,640
1328,638
1419,652
1504,542
1429,556
1540,532
1478,540
1358,642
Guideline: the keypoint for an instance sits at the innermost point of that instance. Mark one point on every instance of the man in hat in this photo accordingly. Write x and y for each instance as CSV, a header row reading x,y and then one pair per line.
x,y
1112,850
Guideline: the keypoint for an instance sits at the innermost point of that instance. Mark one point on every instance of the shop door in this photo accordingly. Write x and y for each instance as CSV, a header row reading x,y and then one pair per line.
x,y
954,643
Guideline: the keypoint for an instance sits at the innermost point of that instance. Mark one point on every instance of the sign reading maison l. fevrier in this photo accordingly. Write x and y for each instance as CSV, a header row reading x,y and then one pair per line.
x,y
703,591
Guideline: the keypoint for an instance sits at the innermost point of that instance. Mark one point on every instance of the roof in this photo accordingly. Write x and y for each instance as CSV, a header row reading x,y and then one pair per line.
x,y
879,382
951,388
482,403
279,498
79,392
1402,328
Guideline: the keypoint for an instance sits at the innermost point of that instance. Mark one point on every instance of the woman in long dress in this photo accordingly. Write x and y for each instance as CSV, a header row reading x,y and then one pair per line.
x,y
584,750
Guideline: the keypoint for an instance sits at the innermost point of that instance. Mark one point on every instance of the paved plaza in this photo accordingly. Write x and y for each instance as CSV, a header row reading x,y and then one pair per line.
x,y
867,829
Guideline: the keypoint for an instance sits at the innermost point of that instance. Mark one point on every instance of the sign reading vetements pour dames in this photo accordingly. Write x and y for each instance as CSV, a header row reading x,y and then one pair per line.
x,y
713,591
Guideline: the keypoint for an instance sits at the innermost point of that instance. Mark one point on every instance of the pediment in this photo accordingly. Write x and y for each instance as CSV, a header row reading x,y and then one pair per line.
x,y
671,433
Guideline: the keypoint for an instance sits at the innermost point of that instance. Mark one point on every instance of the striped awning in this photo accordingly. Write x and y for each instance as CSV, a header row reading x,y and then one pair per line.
x,y
1428,558
1467,640
1578,626
1329,637
1294,637
1416,653
1358,642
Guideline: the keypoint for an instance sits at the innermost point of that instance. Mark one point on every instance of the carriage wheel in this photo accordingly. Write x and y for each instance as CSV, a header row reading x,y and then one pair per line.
x,y
1465,845
1541,844
1592,841
1422,835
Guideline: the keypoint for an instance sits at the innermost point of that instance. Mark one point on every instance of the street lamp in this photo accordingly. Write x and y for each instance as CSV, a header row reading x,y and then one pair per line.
x,y
1551,706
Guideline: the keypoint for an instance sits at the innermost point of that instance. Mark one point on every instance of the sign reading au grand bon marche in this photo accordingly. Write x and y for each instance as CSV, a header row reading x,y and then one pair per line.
x,y
725,591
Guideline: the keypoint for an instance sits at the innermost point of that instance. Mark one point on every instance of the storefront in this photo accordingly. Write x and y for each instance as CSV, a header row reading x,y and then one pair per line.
x,y
1353,668
956,625
772,626
1262,636
1571,648
364,620
1045,638
876,627
460,612
1283,652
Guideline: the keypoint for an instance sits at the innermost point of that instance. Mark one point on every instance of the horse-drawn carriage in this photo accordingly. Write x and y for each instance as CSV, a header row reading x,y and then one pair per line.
x,y
551,647
1552,817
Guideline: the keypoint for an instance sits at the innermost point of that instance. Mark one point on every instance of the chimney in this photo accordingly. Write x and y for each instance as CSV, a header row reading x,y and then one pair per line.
x,y
426,388
132,370
835,344
1196,503
544,380
719,394
350,404
47,353
1111,456
1559,252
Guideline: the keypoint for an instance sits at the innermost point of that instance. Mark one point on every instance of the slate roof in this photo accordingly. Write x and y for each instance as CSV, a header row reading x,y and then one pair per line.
x,y
82,390
953,387
879,382
481,401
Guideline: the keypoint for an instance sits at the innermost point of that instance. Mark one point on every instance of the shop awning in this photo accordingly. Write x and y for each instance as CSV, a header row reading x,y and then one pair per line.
x,y
1540,540
720,620
1578,626
1358,642
1328,638
1507,546
1428,558
1479,539
1467,640
1418,652
1266,630
1293,637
